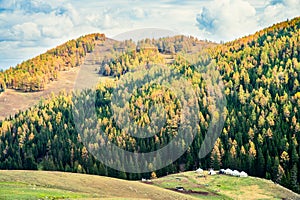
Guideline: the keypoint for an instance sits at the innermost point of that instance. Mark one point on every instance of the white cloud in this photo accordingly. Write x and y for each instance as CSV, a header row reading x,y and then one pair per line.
x,y
51,26
227,19
138,13
280,10
26,31
231,19
32,6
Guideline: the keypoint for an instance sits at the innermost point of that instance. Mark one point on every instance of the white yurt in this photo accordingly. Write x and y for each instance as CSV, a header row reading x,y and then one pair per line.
x,y
235,173
228,171
212,172
199,171
243,174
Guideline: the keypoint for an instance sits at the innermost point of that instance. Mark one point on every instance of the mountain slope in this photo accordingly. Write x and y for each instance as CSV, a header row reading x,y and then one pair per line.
x,y
57,69
262,73
42,184
58,185
261,132
12,101
224,186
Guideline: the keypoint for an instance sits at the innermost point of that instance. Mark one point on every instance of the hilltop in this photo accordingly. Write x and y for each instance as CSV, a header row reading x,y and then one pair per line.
x,y
56,70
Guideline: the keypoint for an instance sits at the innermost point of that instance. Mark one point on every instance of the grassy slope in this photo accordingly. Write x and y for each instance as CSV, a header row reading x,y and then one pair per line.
x,y
59,185
226,187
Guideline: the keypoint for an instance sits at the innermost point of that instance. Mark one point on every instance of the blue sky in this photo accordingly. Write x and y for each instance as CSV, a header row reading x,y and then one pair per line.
x,y
30,27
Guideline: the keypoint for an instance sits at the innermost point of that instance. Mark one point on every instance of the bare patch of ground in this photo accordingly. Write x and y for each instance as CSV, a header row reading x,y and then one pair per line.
x,y
12,101
190,192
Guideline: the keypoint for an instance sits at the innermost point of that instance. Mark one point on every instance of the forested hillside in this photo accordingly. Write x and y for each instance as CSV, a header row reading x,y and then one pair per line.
x,y
261,132
34,74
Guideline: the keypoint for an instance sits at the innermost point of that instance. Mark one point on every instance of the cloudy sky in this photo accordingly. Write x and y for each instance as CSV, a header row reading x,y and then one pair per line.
x,y
30,27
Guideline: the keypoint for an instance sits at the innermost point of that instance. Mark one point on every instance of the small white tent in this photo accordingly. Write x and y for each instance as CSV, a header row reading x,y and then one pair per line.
x,y
228,171
212,172
235,173
243,174
199,171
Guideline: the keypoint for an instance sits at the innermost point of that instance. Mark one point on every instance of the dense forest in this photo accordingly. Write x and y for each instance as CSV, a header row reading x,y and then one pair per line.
x,y
261,134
